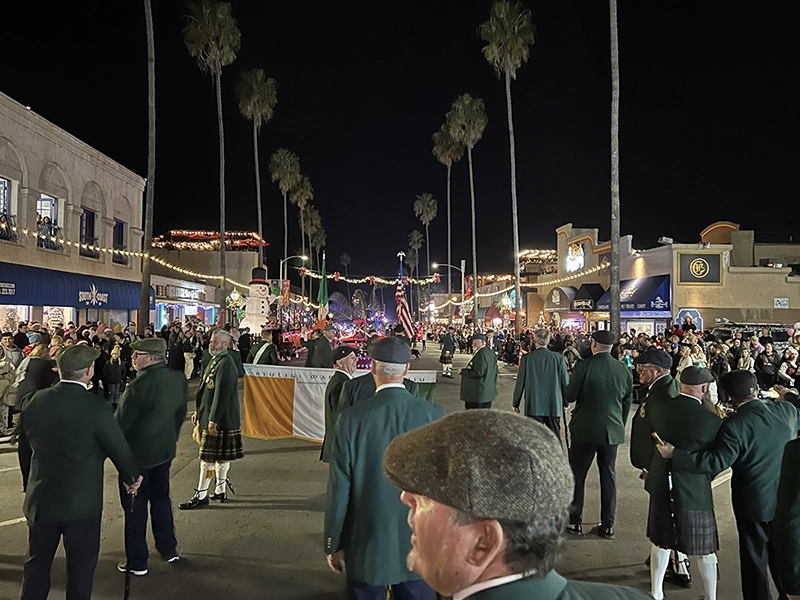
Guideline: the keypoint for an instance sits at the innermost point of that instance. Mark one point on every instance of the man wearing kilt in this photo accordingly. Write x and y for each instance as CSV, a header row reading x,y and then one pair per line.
x,y
681,515
218,416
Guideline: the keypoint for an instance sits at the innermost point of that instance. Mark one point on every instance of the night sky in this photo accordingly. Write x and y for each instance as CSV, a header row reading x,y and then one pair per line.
x,y
709,122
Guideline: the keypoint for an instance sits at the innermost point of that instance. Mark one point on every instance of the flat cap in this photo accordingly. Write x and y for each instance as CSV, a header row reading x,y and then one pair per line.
x,y
739,384
391,350
696,376
605,337
329,327
479,336
652,356
488,463
76,358
155,346
341,352
399,328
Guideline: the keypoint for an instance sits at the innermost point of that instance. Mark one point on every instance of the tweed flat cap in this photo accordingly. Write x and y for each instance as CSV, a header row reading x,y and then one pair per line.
x,y
76,358
652,356
479,336
341,352
488,463
739,384
607,338
696,376
391,350
155,346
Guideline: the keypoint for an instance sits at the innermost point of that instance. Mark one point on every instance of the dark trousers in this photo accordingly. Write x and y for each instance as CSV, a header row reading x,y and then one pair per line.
x,y
756,555
155,491
24,453
581,455
82,544
408,590
471,405
552,423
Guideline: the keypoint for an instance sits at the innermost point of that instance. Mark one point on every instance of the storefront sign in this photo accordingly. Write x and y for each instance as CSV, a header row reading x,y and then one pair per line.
x,y
586,305
697,319
559,299
777,302
700,268
92,297
8,289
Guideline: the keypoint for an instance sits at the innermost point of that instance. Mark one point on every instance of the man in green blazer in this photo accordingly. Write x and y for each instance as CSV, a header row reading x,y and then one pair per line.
x,y
602,389
472,532
543,379
218,419
310,345
786,525
751,442
150,413
448,346
71,432
479,377
264,352
322,357
365,522
344,365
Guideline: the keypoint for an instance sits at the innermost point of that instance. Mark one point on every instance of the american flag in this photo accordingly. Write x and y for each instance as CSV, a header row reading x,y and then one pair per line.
x,y
403,313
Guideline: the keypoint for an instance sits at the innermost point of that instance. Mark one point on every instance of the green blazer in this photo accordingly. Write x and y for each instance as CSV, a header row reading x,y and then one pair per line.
x,y
786,525
332,393
543,378
554,587
448,343
71,433
218,394
363,388
602,389
323,354
151,412
268,357
310,345
479,378
751,441
642,445
363,513
687,424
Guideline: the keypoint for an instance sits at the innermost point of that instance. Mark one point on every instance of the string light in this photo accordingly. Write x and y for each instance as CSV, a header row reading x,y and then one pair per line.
x,y
207,241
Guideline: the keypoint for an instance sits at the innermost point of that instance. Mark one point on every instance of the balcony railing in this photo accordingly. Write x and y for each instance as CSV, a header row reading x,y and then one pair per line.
x,y
120,259
87,248
50,237
8,227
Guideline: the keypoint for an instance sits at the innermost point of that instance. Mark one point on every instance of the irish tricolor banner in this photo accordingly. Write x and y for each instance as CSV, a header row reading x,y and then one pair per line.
x,y
285,402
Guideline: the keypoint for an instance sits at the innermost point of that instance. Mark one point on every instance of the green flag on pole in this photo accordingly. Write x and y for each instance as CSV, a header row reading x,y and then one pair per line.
x,y
322,296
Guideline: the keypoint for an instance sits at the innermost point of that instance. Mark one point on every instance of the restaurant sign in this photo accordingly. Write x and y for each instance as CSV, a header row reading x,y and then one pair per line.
x,y
699,268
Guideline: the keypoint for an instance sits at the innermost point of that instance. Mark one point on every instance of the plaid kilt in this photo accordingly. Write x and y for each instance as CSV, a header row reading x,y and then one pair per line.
x,y
694,532
225,446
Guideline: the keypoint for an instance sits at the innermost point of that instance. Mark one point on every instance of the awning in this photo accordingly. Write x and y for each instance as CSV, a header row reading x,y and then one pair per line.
x,y
586,298
481,313
646,296
32,286
559,299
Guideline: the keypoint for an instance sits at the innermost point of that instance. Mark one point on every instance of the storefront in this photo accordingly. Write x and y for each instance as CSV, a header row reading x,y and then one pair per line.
x,y
645,304
55,297
558,305
585,302
182,302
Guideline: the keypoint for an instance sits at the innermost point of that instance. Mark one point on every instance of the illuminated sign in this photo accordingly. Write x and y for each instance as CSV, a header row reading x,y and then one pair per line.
x,y
576,258
700,268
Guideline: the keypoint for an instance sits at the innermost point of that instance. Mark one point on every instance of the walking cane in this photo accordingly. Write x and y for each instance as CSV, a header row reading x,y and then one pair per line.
x,y
566,428
670,489
127,594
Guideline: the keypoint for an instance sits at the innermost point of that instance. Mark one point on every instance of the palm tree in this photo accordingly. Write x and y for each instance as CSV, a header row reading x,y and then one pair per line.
x,y
447,151
508,35
466,121
284,167
300,195
313,225
144,297
213,39
615,216
258,95
415,241
426,208
345,261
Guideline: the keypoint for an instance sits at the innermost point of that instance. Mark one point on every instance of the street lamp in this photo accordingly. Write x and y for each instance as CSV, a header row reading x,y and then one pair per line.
x,y
461,270
282,276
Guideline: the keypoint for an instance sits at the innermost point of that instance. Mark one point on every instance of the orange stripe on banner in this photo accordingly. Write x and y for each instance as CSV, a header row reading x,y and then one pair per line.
x,y
268,407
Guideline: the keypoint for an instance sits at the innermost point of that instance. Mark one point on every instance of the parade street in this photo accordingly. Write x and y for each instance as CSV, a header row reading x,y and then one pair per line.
x,y
266,542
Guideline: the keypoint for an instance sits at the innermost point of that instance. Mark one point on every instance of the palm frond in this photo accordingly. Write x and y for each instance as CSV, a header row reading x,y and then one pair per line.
x,y
284,167
211,35
258,95
508,35
467,119
426,208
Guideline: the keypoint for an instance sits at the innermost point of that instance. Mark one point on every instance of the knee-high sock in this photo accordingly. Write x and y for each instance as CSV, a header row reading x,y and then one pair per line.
x,y
222,476
205,478
707,565
659,561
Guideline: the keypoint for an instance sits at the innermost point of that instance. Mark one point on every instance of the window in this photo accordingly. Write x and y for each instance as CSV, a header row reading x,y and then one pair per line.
x,y
5,196
88,239
8,221
47,223
47,206
119,244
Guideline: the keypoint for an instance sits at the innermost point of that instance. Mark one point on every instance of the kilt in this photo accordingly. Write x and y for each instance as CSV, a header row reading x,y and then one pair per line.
x,y
223,447
694,532
446,358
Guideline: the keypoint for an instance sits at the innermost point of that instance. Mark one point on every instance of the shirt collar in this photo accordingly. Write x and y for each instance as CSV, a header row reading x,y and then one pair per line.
x,y
694,398
345,372
657,380
485,585
389,385
85,385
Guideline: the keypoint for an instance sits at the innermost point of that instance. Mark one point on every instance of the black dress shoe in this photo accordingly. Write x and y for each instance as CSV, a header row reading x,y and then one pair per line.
x,y
607,533
221,497
194,502
575,529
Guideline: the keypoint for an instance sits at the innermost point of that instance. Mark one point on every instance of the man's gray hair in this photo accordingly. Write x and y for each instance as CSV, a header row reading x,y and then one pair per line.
x,y
541,337
222,332
392,370
73,375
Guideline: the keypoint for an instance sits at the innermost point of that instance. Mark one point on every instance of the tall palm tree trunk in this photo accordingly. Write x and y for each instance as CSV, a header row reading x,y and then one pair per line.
x,y
347,276
514,218
615,207
428,256
474,234
285,227
449,256
303,241
144,297
258,196
222,267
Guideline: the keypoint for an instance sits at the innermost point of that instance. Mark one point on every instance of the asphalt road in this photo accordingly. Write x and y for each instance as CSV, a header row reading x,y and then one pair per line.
x,y
266,542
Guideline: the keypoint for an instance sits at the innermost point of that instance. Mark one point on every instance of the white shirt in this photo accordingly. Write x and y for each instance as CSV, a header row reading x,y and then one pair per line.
x,y
389,385
485,585
657,380
345,372
694,397
85,385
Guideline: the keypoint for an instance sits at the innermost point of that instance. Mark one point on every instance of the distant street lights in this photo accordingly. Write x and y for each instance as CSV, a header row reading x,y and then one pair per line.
x,y
463,266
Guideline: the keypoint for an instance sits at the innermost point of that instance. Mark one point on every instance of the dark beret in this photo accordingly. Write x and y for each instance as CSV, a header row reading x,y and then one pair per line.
x,y
604,337
739,384
652,356
696,376
155,346
391,350
479,336
329,327
341,352
488,463
399,328
76,358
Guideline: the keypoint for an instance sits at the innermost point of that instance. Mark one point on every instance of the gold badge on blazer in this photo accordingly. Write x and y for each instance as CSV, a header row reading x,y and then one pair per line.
x,y
642,412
